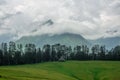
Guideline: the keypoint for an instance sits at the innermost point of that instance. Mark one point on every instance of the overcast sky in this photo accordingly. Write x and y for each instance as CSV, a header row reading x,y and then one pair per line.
x,y
90,18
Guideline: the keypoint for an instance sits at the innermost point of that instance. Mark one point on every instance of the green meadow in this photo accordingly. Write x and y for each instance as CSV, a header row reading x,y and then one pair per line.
x,y
69,70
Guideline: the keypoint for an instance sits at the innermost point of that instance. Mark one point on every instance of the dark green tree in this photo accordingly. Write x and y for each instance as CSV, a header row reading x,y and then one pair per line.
x,y
46,53
1,57
6,60
116,53
93,55
53,55
38,56
72,56
101,54
17,58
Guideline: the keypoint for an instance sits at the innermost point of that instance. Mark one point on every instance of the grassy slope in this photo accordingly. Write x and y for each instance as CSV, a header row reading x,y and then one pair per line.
x,y
70,70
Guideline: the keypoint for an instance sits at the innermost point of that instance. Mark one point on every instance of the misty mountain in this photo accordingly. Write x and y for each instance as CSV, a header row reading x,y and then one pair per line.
x,y
108,42
66,38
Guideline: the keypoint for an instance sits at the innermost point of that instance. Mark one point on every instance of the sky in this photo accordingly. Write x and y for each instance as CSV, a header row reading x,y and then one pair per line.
x,y
92,19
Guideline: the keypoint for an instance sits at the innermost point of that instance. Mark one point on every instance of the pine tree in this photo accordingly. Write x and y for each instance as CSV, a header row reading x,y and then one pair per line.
x,y
1,57
38,56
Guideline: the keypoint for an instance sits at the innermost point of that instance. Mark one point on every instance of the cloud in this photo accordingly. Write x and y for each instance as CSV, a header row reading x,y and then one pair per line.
x,y
89,18
2,2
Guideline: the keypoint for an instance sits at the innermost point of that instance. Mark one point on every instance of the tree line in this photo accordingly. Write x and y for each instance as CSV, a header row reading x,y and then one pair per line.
x,y
17,54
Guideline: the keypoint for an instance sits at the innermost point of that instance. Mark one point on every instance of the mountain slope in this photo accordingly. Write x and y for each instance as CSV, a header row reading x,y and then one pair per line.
x,y
108,42
66,38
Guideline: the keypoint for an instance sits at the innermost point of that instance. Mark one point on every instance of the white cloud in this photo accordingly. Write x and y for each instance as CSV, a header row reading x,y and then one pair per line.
x,y
90,18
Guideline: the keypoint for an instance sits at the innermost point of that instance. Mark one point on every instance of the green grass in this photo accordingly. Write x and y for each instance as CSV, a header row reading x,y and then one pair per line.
x,y
70,70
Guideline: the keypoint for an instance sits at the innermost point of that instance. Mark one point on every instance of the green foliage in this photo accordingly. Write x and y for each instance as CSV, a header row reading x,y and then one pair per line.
x,y
1,57
38,56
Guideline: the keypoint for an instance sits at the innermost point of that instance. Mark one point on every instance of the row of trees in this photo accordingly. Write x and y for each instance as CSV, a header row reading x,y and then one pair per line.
x,y
102,54
55,52
17,57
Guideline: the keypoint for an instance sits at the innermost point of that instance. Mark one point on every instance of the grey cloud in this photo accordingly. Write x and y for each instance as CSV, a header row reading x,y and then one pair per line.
x,y
2,2
5,17
90,18
9,15
116,8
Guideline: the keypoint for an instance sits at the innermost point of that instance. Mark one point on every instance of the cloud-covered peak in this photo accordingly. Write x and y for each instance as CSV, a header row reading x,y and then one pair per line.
x,y
89,18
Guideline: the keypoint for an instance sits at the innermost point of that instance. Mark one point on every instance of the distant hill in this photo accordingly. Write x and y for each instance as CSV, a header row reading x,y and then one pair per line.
x,y
109,42
66,38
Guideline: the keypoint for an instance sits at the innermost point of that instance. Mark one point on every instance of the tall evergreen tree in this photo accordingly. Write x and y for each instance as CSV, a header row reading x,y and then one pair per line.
x,y
101,54
38,56
1,57
93,53
116,53
17,57
72,56
46,53
53,54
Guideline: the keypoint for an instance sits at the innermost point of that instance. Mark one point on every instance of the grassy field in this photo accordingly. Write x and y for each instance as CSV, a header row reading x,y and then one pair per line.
x,y
70,70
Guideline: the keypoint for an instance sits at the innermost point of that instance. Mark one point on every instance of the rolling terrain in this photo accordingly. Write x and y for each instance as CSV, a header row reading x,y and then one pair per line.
x,y
70,70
